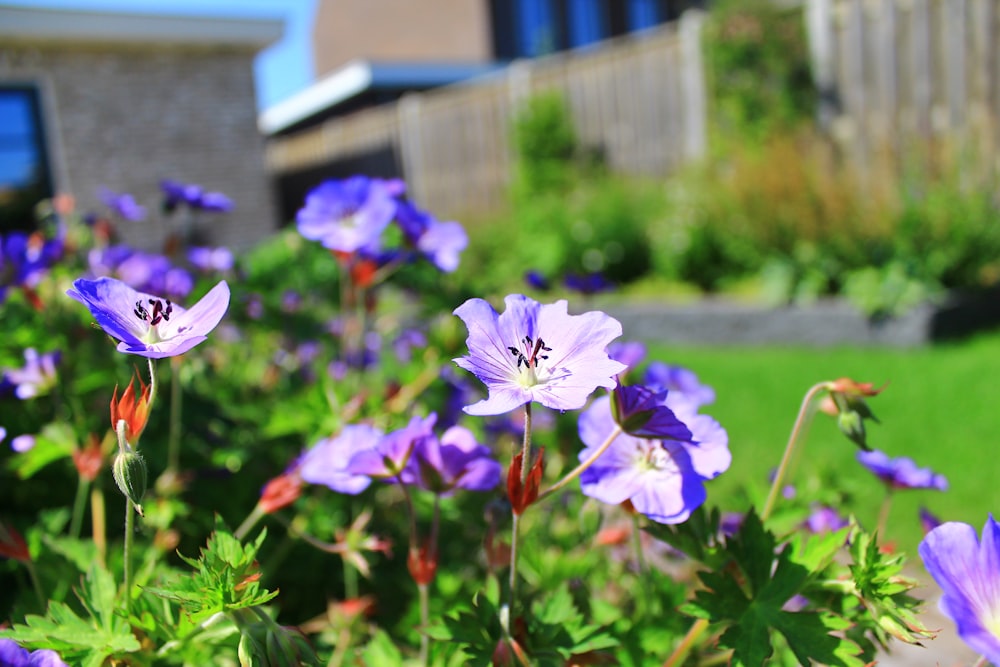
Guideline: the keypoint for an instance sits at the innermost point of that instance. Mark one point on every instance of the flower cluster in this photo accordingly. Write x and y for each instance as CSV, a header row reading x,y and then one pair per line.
x,y
194,197
412,455
142,271
25,259
350,215
901,472
36,377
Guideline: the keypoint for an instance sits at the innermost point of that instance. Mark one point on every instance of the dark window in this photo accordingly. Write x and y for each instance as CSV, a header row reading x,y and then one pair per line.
x,y
24,166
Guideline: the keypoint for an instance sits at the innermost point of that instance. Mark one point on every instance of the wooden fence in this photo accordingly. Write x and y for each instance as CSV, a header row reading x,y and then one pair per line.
x,y
902,79
640,100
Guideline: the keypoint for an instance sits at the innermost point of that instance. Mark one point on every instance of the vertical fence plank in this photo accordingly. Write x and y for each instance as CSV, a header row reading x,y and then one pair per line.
x,y
693,83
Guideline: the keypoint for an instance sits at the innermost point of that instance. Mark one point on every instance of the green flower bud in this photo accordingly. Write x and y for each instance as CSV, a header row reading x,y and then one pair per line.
x,y
129,471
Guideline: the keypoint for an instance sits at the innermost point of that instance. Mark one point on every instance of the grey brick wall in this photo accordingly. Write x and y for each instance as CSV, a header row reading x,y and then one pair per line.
x,y
126,117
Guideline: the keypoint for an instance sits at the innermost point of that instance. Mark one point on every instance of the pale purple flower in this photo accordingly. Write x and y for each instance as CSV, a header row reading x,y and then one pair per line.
x,y
901,472
455,461
347,215
3,433
631,353
387,459
680,382
12,655
123,205
440,242
23,443
535,352
37,375
408,340
663,479
824,519
147,325
326,462
194,197
211,259
968,571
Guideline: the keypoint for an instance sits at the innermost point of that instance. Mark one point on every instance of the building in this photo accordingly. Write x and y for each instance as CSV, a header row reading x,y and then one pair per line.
x,y
92,100
371,53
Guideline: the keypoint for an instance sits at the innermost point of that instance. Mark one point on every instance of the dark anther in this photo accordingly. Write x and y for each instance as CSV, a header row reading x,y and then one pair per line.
x,y
140,312
535,347
159,312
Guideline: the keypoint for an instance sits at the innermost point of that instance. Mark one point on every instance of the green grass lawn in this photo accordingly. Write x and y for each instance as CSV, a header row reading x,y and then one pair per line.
x,y
939,408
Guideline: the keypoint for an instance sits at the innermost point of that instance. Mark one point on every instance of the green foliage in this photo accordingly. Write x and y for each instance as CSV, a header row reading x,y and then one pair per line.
x,y
758,62
546,146
87,639
226,578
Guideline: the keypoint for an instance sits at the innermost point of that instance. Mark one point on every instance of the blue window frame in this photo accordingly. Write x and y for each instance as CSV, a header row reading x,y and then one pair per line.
x,y
588,22
24,166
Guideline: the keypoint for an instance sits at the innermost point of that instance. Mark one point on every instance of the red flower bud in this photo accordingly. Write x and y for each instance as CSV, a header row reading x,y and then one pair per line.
x,y
280,492
522,495
134,410
422,564
12,545
88,460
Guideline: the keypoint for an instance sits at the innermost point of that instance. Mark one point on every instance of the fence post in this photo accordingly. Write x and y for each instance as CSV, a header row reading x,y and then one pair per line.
x,y
693,84
410,147
819,30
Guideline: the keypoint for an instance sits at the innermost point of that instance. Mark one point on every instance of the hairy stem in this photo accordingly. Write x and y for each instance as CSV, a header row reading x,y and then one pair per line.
x,y
176,405
79,507
805,411
127,556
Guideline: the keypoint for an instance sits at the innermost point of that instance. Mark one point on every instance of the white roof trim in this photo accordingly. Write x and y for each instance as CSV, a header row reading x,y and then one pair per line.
x,y
50,24
343,84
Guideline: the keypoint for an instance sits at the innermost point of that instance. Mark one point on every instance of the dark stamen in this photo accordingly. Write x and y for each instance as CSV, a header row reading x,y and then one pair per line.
x,y
534,347
140,312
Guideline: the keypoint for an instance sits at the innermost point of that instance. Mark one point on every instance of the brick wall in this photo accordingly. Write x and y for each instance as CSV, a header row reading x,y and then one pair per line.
x,y
126,117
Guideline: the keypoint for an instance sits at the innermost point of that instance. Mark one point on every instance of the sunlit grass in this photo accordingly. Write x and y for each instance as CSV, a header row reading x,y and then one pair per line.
x,y
939,408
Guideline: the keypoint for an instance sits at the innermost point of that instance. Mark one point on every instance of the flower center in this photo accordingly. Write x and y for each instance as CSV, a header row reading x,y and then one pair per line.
x,y
529,358
653,456
160,312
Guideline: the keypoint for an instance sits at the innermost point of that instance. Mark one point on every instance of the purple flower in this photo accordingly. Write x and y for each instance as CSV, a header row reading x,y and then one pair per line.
x,y
347,215
12,655
680,382
25,259
147,325
404,344
441,242
591,283
663,479
928,521
22,443
211,259
535,352
326,462
456,461
631,353
37,376
387,459
824,519
968,571
123,205
536,280
902,472
642,412
193,196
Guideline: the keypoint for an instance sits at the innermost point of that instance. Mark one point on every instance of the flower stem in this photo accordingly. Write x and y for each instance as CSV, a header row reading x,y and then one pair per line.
x,y
425,620
797,429
152,384
256,514
176,404
525,467
883,515
640,565
35,583
684,648
79,505
98,523
127,555
577,471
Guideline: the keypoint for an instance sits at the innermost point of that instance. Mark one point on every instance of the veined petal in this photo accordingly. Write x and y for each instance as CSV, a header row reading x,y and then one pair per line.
x,y
112,302
201,318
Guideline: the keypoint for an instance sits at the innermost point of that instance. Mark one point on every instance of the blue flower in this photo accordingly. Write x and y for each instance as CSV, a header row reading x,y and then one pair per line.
x,y
663,479
123,205
194,197
147,325
535,352
348,215
440,242
36,377
968,571
902,472
455,461
326,462
12,655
